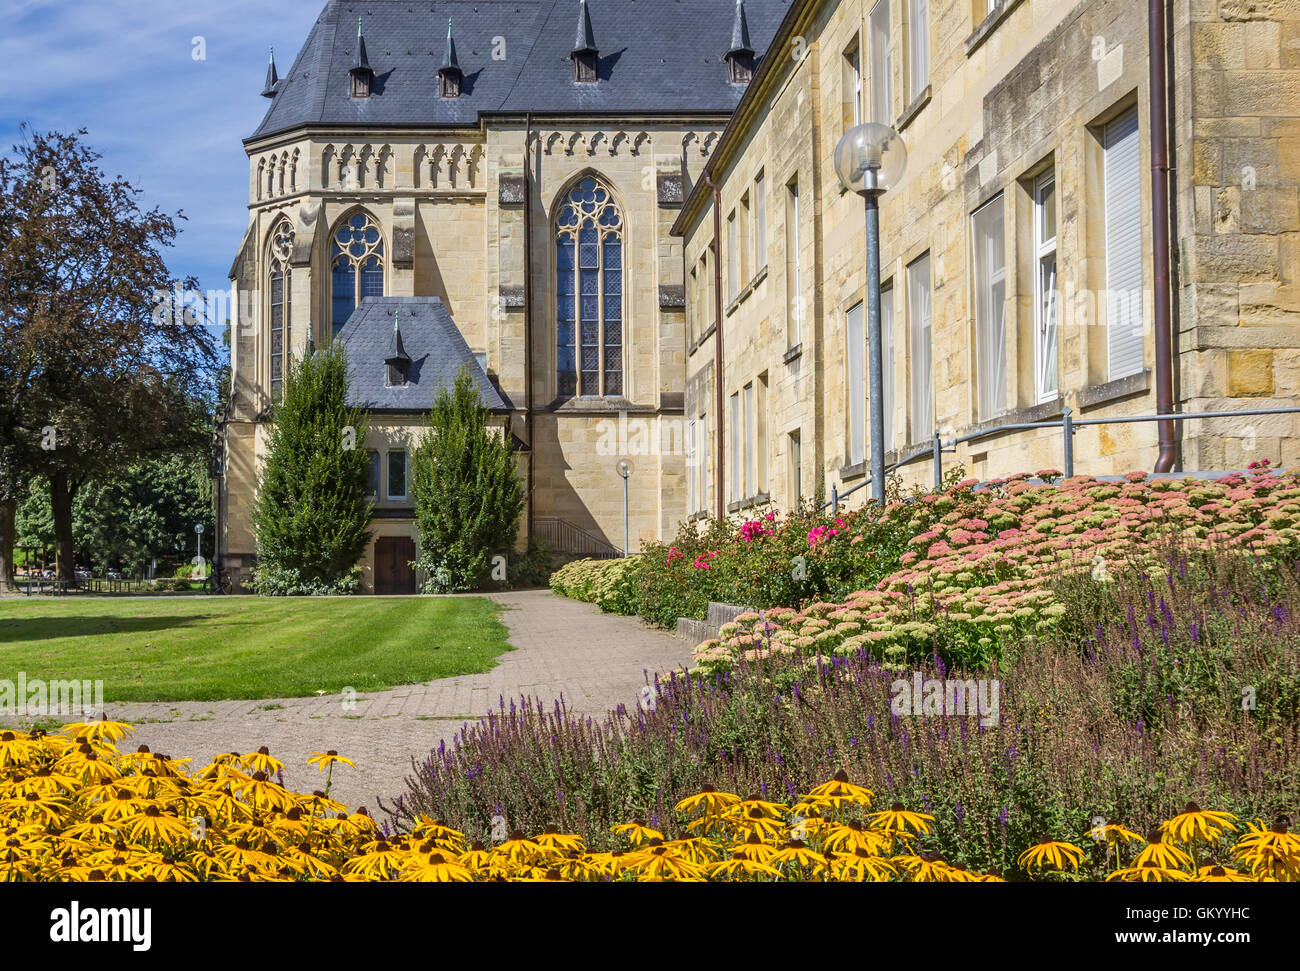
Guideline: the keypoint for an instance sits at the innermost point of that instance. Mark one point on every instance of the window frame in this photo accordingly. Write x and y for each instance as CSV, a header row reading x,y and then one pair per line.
x,y
918,43
591,213
920,350
388,475
882,61
855,384
1046,316
989,403
372,252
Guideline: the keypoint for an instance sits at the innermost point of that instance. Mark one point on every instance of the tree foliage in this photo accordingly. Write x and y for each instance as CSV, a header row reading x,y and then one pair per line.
x,y
97,366
468,498
313,506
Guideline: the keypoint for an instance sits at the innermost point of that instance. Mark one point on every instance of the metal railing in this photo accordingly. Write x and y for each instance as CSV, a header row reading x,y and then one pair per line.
x,y
565,537
1068,425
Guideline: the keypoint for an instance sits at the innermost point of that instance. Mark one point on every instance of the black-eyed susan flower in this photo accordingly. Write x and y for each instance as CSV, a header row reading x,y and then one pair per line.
x,y
1195,823
637,832
1162,854
903,822
1051,854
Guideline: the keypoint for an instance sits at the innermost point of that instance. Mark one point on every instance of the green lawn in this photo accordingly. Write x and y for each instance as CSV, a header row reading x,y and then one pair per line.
x,y
190,649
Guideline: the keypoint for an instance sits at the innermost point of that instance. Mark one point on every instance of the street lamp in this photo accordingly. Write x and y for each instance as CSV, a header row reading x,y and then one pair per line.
x,y
625,470
870,160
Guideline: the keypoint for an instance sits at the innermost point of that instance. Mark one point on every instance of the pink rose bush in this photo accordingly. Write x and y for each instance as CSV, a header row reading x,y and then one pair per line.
x,y
983,566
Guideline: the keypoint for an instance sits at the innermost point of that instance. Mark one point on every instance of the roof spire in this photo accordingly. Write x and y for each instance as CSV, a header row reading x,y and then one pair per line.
x,y
450,75
361,62
740,43
450,59
585,42
740,56
362,75
272,79
584,55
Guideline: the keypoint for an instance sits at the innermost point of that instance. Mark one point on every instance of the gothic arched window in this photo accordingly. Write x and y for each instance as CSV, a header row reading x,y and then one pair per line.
x,y
589,292
280,249
356,266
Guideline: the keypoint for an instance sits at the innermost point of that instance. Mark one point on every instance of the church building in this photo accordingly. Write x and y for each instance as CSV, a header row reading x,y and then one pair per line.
x,y
490,183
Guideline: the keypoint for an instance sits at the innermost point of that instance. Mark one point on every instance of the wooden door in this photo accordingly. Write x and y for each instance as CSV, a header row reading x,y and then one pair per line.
x,y
393,571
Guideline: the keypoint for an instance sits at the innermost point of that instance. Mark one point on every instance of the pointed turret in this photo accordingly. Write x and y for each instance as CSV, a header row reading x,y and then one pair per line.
x,y
398,361
272,79
740,56
584,54
362,74
450,76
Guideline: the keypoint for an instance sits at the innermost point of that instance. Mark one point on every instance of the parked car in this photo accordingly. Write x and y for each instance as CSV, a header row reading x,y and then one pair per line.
x,y
81,573
47,573
114,574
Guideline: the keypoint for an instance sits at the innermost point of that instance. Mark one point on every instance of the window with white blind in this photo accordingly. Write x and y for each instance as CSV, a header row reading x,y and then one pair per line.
x,y
851,85
733,259
1046,329
1123,198
793,276
701,471
989,258
751,442
855,385
760,223
887,360
737,485
918,47
760,483
692,458
796,468
922,376
881,58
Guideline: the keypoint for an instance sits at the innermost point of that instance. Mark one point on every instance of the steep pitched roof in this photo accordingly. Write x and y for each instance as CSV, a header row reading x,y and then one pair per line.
x,y
660,57
428,335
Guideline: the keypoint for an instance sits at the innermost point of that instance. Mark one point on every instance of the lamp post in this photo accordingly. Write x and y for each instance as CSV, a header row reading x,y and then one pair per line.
x,y
625,470
870,160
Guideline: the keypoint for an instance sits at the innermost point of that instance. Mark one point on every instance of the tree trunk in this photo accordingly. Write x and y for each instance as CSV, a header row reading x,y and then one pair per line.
x,y
8,518
62,493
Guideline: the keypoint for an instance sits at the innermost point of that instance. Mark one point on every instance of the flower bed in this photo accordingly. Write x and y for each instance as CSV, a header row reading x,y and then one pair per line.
x,y
980,569
74,808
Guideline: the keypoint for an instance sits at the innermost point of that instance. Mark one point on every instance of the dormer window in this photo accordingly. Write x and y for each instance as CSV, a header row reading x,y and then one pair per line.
x,y
584,67
585,54
740,66
362,76
740,56
398,361
450,75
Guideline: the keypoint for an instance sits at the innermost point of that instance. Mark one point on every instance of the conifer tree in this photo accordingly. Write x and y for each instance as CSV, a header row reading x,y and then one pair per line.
x,y
313,506
468,498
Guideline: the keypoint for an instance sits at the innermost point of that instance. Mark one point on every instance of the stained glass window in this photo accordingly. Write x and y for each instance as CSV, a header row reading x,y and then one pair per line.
x,y
356,266
589,292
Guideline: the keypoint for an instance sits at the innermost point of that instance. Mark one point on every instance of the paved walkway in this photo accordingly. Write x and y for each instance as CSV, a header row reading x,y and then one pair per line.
x,y
562,647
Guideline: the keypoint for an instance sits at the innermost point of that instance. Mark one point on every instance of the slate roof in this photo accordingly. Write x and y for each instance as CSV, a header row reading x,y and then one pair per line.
x,y
656,57
431,338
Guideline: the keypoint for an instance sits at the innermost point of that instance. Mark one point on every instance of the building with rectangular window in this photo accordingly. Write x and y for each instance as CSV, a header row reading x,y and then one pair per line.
x,y
1020,263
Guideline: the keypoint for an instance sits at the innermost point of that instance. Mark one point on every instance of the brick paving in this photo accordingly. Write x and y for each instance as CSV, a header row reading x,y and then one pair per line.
x,y
562,648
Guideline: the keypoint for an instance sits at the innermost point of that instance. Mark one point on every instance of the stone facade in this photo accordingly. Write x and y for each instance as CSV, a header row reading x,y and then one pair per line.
x,y
1017,96
450,207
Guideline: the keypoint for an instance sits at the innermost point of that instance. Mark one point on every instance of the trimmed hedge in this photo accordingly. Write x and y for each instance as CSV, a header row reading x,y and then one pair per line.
x,y
612,585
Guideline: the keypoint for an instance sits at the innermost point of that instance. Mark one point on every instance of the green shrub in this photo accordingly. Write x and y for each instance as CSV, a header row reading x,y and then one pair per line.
x,y
273,582
612,585
468,498
312,513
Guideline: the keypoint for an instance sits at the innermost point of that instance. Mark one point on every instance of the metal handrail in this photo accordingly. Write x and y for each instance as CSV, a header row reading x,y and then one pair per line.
x,y
1067,423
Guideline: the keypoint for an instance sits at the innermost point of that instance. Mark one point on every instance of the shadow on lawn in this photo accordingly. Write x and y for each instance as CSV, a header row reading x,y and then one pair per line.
x,y
49,628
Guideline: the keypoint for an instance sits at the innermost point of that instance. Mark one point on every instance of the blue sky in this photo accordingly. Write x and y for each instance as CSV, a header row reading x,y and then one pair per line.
x,y
171,123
